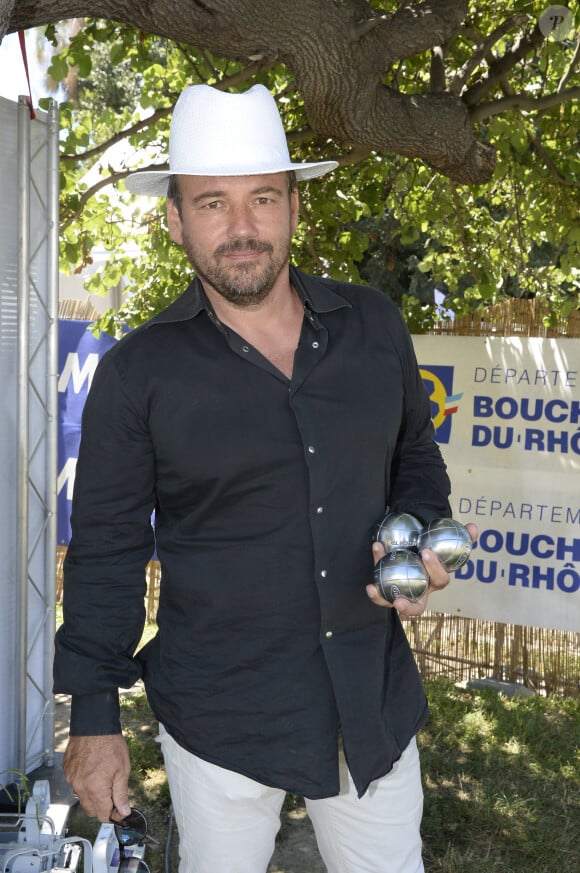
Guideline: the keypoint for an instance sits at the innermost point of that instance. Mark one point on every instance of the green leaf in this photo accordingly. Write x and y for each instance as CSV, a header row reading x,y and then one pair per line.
x,y
117,53
84,65
58,69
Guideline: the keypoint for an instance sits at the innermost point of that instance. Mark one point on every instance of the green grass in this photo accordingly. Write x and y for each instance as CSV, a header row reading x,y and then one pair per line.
x,y
502,783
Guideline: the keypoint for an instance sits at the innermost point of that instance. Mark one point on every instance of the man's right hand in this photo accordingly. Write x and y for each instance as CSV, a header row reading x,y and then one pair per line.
x,y
97,769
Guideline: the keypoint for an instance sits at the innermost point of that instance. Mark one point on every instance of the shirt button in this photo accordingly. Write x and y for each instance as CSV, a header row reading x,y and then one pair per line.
x,y
328,634
245,348
319,510
324,574
315,344
312,450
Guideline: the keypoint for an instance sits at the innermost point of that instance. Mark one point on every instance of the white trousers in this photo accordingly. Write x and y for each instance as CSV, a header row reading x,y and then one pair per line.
x,y
228,823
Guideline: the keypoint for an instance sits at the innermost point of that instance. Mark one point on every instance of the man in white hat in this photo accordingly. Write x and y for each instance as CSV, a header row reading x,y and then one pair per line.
x,y
268,417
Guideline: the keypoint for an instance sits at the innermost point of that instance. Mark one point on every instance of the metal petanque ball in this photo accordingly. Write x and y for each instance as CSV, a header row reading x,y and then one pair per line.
x,y
401,574
450,541
398,530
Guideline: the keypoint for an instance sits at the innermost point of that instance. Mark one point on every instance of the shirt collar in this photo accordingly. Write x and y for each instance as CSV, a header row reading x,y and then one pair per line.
x,y
316,294
188,305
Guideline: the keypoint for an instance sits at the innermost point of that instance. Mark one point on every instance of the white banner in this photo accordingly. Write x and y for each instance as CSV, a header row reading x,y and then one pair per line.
x,y
507,414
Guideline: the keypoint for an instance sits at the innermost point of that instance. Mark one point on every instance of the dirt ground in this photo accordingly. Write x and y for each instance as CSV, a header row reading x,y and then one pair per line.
x,y
296,850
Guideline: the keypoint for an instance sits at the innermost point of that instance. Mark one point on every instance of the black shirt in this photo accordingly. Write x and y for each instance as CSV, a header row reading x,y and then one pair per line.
x,y
266,491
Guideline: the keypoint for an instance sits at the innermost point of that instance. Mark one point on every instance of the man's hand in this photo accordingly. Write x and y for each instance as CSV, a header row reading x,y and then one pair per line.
x,y
438,579
97,769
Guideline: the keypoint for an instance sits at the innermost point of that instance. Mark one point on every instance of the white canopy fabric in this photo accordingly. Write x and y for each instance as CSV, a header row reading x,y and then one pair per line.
x,y
28,336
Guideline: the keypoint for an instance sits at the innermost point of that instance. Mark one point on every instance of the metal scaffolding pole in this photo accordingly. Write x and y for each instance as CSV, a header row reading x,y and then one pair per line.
x,y
23,297
37,424
52,416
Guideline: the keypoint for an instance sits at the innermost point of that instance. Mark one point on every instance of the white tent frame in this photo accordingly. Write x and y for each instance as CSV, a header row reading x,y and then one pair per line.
x,y
36,476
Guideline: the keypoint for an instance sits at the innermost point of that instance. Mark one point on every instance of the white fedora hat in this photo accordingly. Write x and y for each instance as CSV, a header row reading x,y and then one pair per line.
x,y
215,133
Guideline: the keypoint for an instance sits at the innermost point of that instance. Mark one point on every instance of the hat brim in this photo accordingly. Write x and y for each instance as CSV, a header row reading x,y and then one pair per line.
x,y
153,183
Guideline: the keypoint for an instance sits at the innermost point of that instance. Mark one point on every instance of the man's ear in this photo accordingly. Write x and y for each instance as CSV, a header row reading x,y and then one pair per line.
x,y
174,222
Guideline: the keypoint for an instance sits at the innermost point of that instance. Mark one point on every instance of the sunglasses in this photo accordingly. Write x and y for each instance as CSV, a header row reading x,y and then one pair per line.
x,y
132,831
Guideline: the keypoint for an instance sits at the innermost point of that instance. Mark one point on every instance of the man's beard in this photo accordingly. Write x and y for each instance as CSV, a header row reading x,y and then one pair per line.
x,y
239,283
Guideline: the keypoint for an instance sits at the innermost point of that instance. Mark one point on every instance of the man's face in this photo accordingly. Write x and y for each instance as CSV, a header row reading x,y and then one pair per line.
x,y
236,231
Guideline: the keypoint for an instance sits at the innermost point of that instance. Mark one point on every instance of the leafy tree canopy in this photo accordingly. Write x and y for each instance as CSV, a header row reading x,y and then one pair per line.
x,y
384,218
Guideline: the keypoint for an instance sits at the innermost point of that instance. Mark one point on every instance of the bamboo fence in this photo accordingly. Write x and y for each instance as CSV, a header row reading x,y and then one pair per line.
x,y
77,310
463,649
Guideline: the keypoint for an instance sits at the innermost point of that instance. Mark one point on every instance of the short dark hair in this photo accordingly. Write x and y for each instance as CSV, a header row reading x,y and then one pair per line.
x,y
174,191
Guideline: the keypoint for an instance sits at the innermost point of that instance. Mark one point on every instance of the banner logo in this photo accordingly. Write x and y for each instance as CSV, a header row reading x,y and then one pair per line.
x,y
557,23
438,381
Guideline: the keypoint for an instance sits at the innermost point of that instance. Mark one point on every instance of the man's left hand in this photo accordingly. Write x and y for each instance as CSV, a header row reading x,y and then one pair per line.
x,y
438,579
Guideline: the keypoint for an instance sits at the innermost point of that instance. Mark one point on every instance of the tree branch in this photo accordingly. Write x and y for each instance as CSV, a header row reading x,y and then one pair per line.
x,y
356,155
437,70
571,67
551,166
112,179
526,44
120,136
403,118
461,77
536,142
313,236
361,28
417,27
461,221
520,101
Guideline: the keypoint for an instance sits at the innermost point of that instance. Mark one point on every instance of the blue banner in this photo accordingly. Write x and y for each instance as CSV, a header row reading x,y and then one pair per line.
x,y
79,354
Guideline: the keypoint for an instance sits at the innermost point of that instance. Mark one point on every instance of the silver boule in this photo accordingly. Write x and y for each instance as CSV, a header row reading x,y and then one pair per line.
x,y
401,574
450,541
398,530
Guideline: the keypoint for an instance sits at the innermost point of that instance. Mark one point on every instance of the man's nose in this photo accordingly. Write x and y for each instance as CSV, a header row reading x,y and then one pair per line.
x,y
242,221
